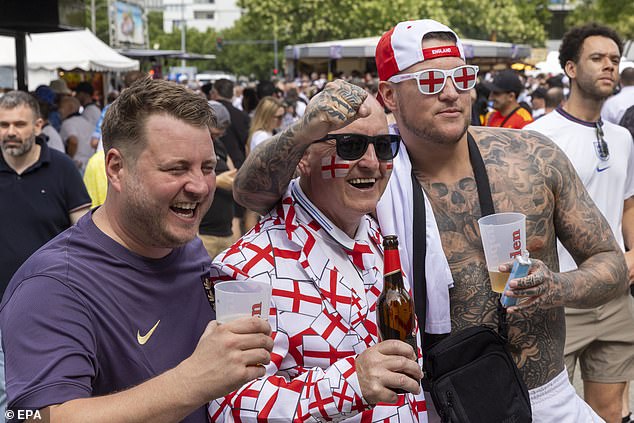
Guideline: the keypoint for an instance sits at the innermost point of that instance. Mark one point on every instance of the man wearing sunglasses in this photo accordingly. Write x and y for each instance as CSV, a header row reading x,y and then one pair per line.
x,y
525,172
603,155
322,254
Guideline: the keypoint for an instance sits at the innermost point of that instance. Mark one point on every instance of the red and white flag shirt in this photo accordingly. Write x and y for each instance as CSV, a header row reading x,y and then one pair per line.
x,y
323,313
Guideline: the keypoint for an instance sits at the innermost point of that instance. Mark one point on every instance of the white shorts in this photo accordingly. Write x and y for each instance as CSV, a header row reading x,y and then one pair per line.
x,y
557,401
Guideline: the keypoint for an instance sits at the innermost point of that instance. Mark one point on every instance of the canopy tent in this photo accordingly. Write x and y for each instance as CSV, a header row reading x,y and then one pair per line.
x,y
67,50
358,52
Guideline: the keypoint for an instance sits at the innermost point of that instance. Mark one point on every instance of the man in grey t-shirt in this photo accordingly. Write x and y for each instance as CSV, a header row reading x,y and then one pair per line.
x,y
118,324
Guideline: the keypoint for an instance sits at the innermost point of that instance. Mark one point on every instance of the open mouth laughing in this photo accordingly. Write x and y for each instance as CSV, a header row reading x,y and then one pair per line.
x,y
186,210
362,183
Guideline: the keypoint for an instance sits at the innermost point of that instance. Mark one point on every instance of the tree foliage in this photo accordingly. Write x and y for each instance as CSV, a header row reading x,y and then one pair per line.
x,y
515,21
302,21
617,14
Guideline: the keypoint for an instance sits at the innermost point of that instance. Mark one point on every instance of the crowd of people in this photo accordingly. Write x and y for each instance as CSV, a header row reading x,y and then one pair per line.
x,y
119,217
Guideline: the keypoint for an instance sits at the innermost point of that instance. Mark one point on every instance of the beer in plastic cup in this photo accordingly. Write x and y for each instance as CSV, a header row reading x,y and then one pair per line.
x,y
245,298
503,238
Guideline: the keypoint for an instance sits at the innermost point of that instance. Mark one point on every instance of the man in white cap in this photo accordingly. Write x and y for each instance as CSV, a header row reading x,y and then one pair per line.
x,y
425,82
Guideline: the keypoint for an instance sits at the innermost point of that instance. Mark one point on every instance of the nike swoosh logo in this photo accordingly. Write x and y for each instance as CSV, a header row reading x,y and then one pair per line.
x,y
601,169
143,339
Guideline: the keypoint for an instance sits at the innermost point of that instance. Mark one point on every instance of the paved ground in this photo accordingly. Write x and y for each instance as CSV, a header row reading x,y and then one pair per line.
x,y
578,383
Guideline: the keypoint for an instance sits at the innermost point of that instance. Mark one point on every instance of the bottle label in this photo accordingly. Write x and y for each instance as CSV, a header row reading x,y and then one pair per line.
x,y
391,262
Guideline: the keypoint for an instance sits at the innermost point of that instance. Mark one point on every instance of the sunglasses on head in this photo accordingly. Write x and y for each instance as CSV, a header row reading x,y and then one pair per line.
x,y
600,144
432,81
354,146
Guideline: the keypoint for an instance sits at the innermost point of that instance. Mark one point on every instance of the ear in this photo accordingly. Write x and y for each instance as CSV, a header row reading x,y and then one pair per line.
x,y
303,167
388,94
571,69
115,168
38,126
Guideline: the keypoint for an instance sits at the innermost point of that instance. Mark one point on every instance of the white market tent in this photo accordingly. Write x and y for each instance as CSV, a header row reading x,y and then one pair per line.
x,y
353,53
67,50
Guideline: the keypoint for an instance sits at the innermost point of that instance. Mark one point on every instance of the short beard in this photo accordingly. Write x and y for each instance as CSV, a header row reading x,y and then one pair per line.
x,y
593,93
429,132
23,149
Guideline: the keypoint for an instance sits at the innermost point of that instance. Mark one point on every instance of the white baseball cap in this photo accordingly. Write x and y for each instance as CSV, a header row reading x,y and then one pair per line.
x,y
401,47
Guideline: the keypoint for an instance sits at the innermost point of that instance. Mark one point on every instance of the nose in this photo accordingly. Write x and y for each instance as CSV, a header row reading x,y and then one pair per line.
x,y
608,64
369,159
449,91
12,130
201,184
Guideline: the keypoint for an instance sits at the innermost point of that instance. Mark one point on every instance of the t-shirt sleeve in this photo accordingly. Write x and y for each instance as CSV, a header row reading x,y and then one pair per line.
x,y
629,182
49,345
75,192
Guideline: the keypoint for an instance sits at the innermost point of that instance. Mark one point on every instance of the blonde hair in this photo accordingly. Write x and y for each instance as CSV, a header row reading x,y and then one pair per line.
x,y
266,110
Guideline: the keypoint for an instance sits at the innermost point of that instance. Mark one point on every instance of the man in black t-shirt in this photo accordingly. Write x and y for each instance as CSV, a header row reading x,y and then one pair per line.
x,y
215,229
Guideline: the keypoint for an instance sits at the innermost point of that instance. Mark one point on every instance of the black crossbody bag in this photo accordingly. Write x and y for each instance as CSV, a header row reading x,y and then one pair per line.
x,y
471,375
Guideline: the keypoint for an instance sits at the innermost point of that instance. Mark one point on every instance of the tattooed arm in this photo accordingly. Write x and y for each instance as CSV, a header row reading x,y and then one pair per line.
x,y
582,229
267,170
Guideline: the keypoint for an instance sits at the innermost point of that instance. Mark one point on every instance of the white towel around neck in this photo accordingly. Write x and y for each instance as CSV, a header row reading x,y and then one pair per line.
x,y
394,212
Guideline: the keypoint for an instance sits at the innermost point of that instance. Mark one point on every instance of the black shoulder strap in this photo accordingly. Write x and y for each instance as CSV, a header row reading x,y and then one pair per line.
x,y
420,242
481,178
486,208
419,254
506,119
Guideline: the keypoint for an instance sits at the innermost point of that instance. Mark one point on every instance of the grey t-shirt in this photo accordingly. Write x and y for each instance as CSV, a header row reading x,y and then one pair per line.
x,y
84,316
82,129
54,139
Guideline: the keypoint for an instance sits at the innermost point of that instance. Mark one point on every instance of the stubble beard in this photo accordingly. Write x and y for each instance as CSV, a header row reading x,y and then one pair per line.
x,y
591,91
430,133
21,150
146,221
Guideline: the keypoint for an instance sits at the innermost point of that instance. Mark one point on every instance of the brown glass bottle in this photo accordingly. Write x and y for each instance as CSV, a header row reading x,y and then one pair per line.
x,y
395,307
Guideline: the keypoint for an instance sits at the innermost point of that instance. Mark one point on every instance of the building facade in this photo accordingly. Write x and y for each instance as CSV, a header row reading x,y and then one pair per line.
x,y
199,14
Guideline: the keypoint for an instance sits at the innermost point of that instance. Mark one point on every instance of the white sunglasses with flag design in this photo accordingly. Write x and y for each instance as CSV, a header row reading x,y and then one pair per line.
x,y
432,81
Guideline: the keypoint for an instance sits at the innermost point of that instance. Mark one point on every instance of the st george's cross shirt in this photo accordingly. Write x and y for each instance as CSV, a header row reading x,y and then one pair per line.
x,y
323,314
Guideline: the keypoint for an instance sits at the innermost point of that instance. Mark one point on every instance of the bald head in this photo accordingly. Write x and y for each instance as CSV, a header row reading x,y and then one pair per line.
x,y
68,105
627,77
373,124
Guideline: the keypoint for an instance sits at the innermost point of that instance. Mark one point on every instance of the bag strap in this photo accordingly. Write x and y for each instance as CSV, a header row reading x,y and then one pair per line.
x,y
420,253
506,119
420,242
486,208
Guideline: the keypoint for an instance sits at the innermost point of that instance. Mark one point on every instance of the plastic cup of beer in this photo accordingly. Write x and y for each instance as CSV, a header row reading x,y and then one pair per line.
x,y
503,238
245,298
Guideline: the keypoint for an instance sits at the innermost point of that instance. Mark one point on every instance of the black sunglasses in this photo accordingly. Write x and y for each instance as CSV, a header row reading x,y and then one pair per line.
x,y
601,145
354,146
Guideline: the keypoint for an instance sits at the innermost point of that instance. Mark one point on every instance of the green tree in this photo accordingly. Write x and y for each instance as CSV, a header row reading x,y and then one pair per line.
x,y
617,14
101,20
155,26
302,21
516,21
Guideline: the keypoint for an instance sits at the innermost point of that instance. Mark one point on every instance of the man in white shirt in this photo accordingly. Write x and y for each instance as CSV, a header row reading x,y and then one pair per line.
x,y
615,106
600,338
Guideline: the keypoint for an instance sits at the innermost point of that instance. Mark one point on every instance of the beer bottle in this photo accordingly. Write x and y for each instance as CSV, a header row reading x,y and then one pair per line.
x,y
395,307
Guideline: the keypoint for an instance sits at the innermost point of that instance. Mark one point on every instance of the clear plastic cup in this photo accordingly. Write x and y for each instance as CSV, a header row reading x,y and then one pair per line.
x,y
245,298
503,238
